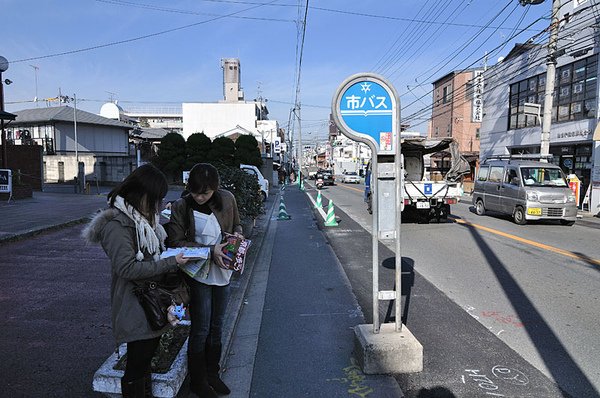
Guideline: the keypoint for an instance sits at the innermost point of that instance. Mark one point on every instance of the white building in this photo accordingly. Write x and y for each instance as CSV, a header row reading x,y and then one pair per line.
x,y
233,115
155,116
520,78
216,118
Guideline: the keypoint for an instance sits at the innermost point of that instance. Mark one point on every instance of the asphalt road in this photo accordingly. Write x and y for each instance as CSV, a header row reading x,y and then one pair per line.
x,y
535,288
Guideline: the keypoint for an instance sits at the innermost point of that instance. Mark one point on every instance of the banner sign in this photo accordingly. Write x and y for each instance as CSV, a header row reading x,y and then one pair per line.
x,y
477,114
5,181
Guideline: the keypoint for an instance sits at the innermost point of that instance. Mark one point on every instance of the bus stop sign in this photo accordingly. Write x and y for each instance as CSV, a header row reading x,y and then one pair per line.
x,y
365,107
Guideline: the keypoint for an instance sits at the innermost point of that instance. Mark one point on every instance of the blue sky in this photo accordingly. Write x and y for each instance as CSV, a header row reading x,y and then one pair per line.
x,y
411,43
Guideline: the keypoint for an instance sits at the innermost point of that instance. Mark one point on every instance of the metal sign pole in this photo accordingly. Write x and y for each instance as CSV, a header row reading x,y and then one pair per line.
x,y
366,108
375,240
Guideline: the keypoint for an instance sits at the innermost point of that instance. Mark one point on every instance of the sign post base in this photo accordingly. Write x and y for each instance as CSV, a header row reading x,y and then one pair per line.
x,y
387,351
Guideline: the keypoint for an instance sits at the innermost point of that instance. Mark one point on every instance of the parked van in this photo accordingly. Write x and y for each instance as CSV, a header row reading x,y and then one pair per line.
x,y
262,181
525,189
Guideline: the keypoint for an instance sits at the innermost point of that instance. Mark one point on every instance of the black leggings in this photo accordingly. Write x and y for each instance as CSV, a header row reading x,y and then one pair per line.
x,y
139,355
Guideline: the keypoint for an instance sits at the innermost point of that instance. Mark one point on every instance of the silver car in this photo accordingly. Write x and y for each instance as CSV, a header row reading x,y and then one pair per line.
x,y
526,190
351,177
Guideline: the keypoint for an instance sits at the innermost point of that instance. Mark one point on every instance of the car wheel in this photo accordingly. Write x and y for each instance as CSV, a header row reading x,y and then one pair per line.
x,y
567,223
519,216
479,208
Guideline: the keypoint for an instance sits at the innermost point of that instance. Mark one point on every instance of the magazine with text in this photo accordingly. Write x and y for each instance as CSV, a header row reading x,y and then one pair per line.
x,y
236,249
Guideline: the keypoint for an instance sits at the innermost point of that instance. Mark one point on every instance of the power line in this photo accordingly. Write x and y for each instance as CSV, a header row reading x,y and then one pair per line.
x,y
581,45
142,37
407,59
186,12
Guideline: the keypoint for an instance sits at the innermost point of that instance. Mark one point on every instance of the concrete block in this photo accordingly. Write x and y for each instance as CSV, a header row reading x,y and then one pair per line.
x,y
387,351
164,385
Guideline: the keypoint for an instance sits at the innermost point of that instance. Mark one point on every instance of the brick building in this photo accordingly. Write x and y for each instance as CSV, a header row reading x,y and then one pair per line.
x,y
457,113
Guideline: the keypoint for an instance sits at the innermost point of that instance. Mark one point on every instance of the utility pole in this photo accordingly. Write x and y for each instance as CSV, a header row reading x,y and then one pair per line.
x,y
75,128
35,68
550,76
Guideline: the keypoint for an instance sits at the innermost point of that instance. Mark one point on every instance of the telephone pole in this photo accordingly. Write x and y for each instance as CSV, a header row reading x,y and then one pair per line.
x,y
550,76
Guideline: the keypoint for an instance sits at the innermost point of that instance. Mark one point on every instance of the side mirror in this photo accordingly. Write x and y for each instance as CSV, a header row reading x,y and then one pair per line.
x,y
516,181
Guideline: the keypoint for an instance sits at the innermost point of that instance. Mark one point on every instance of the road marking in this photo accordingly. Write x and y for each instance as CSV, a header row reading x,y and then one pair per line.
x,y
352,188
567,253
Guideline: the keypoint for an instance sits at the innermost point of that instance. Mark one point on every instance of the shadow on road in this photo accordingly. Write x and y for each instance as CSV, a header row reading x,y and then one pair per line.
x,y
557,359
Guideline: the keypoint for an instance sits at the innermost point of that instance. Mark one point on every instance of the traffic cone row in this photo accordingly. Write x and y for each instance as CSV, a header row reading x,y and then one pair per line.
x,y
330,220
283,215
319,204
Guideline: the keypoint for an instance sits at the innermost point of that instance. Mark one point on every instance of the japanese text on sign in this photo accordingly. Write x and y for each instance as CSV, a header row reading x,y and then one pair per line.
x,y
477,114
366,104
367,109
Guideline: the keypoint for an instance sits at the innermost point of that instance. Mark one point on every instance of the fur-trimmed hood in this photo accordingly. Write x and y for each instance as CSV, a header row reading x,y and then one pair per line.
x,y
92,233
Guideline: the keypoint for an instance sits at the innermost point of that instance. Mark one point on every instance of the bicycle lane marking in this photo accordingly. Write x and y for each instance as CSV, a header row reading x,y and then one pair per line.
x,y
591,261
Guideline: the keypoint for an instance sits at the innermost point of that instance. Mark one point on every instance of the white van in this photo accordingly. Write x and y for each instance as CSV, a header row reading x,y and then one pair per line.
x,y
262,181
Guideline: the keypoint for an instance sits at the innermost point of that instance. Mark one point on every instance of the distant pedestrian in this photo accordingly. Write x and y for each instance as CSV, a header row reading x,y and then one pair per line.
x,y
133,239
281,175
200,219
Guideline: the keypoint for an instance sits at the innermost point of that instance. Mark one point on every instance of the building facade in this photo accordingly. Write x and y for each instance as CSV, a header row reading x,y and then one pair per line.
x,y
67,136
509,127
457,113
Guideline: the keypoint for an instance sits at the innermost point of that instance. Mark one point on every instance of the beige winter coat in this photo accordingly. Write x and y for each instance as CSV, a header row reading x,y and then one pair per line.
x,y
116,233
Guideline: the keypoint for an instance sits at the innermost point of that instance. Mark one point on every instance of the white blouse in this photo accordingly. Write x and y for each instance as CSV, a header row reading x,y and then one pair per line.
x,y
208,232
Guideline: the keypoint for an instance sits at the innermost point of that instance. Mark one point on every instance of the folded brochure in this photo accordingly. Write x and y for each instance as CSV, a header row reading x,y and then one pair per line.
x,y
188,252
235,249
197,256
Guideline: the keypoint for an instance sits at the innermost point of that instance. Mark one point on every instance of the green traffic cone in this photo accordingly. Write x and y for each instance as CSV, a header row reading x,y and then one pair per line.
x,y
282,211
330,220
319,204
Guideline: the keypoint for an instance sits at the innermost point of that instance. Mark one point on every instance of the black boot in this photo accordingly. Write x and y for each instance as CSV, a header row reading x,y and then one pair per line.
x,y
133,389
198,377
148,384
213,356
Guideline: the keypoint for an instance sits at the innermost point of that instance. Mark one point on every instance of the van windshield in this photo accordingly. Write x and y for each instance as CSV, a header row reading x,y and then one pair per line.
x,y
543,176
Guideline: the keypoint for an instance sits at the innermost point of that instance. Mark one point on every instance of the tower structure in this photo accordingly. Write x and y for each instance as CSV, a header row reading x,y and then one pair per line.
x,y
232,80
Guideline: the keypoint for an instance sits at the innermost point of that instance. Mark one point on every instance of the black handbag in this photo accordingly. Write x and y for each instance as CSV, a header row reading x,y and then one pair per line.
x,y
155,297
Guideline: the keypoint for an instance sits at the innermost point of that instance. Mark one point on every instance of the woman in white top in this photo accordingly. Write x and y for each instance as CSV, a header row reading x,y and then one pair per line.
x,y
200,218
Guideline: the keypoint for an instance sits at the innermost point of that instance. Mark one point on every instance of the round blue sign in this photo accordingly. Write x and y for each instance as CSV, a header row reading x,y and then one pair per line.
x,y
365,108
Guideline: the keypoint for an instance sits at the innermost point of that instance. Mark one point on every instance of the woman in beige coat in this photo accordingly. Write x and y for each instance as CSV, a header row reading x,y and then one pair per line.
x,y
133,239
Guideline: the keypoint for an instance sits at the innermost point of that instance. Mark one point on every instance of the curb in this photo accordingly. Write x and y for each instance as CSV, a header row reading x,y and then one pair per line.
x,y
46,228
237,299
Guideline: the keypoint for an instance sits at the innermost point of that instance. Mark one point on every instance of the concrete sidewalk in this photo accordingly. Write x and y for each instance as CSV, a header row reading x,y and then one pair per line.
x,y
295,336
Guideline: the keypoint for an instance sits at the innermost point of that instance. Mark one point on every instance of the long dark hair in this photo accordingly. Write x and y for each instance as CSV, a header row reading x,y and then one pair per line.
x,y
145,181
204,177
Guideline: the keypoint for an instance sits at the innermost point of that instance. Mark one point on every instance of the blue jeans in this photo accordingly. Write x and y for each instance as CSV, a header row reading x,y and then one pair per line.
x,y
207,313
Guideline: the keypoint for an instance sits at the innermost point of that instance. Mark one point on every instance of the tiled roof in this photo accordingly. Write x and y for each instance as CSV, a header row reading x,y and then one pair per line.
x,y
150,133
64,114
